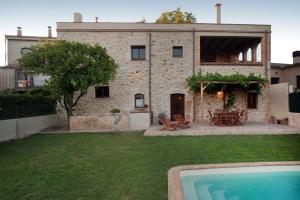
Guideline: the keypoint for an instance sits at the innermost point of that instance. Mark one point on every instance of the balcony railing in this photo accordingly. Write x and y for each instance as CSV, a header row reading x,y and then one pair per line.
x,y
232,63
23,84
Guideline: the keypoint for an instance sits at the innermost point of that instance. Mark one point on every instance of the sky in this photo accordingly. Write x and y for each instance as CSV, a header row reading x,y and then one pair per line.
x,y
34,16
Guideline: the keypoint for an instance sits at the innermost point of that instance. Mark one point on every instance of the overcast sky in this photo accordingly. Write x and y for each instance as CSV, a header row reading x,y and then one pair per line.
x,y
35,15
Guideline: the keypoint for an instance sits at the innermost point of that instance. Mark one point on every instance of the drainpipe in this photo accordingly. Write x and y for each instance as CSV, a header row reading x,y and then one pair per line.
x,y
149,71
266,75
6,51
194,94
266,55
193,50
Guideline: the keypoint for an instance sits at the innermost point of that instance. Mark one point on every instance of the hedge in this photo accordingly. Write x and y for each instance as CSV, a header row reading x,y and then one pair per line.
x,y
26,105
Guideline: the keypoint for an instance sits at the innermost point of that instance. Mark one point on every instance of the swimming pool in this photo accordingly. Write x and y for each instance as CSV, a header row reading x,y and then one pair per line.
x,y
242,183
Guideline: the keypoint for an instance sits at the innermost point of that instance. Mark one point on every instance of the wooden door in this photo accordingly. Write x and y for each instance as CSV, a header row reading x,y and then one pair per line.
x,y
177,105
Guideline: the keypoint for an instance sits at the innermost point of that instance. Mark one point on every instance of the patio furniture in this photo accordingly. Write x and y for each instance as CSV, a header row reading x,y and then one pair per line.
x,y
181,122
168,125
213,120
241,117
226,118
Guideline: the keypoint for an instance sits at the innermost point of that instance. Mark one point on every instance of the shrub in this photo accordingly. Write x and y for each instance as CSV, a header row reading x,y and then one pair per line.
x,y
39,91
115,110
26,105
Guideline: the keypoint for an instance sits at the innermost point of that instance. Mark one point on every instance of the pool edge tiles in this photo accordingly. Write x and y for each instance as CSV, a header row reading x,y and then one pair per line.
x,y
175,191
239,170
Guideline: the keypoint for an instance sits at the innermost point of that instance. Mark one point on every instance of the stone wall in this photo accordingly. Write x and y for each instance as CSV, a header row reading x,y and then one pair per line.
x,y
213,103
168,74
126,84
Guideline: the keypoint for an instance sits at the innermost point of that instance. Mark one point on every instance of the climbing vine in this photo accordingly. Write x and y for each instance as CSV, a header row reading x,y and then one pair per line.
x,y
241,82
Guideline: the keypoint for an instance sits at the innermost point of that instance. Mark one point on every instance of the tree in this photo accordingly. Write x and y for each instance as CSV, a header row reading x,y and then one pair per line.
x,y
72,68
176,17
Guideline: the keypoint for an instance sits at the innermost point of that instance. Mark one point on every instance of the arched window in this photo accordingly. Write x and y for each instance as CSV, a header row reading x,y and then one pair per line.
x,y
258,53
241,57
139,100
249,55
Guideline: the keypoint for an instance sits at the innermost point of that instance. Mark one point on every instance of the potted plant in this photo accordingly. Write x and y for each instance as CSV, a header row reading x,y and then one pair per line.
x,y
117,118
146,107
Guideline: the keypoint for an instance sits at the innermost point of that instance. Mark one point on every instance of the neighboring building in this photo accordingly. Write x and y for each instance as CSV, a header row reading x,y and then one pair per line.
x,y
155,60
11,76
287,73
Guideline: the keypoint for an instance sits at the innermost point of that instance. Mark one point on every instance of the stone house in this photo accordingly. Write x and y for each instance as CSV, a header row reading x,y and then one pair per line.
x,y
155,60
287,73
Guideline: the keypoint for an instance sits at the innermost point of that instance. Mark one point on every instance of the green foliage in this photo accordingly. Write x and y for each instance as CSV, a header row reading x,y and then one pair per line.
x,y
115,110
176,17
39,91
16,105
243,81
230,101
72,67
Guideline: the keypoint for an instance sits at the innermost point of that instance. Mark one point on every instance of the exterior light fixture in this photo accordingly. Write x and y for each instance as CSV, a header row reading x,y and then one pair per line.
x,y
136,74
220,94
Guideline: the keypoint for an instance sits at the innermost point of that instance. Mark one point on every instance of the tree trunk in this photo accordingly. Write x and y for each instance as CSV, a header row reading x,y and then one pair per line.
x,y
68,103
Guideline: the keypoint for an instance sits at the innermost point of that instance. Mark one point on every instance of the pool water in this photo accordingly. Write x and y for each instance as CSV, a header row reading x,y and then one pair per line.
x,y
244,183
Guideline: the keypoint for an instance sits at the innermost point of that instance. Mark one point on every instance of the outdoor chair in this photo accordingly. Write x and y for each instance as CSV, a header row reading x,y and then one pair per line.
x,y
168,125
181,122
241,117
213,120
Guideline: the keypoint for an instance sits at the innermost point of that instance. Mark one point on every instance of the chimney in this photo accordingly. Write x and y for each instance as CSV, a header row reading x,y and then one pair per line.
x,y
49,32
19,31
296,57
218,13
96,18
77,18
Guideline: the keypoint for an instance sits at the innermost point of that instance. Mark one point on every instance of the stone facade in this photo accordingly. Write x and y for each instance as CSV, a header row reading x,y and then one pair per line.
x,y
160,74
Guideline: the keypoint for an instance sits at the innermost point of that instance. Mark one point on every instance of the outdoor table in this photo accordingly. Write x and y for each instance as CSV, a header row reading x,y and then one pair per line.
x,y
226,118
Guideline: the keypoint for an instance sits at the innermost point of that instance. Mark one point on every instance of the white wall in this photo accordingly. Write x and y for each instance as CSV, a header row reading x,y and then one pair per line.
x,y
7,78
22,127
279,103
14,50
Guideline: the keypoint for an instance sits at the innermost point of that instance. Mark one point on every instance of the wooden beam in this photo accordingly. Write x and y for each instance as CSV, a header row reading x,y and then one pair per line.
x,y
225,82
202,100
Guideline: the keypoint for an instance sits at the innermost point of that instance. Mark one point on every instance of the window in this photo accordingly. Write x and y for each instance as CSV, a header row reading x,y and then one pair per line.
x,y
298,82
138,53
274,80
24,50
101,91
177,52
252,99
139,100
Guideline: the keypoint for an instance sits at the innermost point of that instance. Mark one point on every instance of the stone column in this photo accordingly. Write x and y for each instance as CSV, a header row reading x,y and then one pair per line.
x,y
245,51
254,56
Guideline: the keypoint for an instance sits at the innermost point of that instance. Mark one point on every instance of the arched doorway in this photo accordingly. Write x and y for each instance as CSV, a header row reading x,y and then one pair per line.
x,y
177,105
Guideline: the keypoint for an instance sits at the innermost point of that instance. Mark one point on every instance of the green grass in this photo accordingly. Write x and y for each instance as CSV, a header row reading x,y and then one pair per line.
x,y
121,166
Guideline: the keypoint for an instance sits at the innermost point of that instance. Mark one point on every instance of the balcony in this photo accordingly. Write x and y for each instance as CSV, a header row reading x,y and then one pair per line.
x,y
241,51
25,81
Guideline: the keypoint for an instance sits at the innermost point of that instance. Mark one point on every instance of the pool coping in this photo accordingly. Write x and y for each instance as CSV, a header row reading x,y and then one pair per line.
x,y
175,191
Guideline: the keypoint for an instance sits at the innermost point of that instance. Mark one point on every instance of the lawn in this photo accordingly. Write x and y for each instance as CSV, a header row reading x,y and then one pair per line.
x,y
121,166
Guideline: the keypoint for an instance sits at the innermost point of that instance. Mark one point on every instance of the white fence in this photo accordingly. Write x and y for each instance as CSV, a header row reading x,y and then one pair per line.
x,y
22,127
